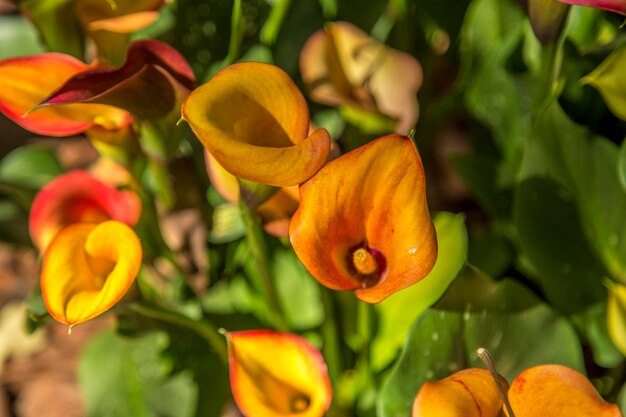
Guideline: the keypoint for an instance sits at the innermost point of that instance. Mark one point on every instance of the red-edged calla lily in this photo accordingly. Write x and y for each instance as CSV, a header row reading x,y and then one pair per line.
x,y
468,393
275,213
88,268
77,197
254,121
343,66
544,390
110,27
277,374
618,6
25,81
557,391
151,84
363,221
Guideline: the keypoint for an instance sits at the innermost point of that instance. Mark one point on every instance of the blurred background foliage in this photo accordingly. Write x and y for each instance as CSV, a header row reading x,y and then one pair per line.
x,y
522,142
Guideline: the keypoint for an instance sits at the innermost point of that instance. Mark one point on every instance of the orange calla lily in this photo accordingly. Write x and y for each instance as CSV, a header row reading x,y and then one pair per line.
x,y
343,66
253,120
77,197
277,374
88,268
275,213
363,221
557,391
544,390
22,87
468,393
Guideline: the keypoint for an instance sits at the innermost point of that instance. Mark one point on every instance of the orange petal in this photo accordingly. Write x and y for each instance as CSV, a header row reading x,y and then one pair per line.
x,y
77,197
254,122
367,207
277,374
88,268
557,391
129,16
468,393
344,66
22,87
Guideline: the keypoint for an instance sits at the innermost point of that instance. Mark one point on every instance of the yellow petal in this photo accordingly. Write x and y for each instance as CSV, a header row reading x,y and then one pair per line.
x,y
557,391
254,122
373,198
467,393
88,269
277,374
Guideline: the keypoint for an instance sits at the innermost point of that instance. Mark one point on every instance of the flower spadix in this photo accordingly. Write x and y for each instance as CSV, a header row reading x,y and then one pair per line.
x,y
363,222
254,121
26,81
343,66
468,393
277,374
88,268
77,197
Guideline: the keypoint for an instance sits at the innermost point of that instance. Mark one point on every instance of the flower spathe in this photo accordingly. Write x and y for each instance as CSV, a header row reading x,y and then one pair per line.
x,y
88,268
343,66
544,390
22,87
618,6
363,222
254,121
77,197
277,374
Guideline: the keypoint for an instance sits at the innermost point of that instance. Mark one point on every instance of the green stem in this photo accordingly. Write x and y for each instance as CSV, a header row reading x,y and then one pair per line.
x,y
258,246
364,329
201,328
330,335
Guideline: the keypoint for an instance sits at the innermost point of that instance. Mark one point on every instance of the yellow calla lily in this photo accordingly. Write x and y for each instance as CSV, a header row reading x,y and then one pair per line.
x,y
277,374
88,268
253,120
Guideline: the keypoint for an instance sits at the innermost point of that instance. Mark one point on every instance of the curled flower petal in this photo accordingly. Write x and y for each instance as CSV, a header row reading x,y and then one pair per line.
x,y
88,268
22,87
557,391
277,374
149,84
618,6
127,17
363,221
275,213
342,65
467,393
77,197
254,122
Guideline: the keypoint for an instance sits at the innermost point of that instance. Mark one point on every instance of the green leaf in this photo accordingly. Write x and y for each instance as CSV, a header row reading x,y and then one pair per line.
x,y
58,24
592,323
31,166
127,377
442,342
609,80
227,224
398,312
622,165
18,37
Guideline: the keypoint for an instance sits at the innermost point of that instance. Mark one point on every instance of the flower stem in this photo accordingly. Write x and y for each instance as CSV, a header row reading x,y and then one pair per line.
x,y
484,355
258,246
202,328
330,335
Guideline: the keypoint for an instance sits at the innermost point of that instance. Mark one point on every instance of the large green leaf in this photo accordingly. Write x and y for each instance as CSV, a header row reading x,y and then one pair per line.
x,y
503,317
30,166
398,312
17,37
127,377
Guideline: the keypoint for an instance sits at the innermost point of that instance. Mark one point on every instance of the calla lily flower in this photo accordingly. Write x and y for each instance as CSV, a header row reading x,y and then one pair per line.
x,y
88,268
618,6
151,84
468,393
77,197
363,221
277,374
545,390
22,87
253,120
343,66
275,213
